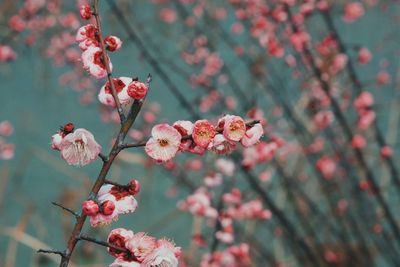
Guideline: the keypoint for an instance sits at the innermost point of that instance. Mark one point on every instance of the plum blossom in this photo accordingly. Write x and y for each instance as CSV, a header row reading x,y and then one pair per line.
x,y
6,151
6,128
122,262
140,245
78,148
137,90
114,200
364,56
225,166
119,237
86,37
113,43
164,142
353,11
7,53
326,166
203,133
199,203
85,11
252,135
220,145
234,127
92,59
165,254
121,87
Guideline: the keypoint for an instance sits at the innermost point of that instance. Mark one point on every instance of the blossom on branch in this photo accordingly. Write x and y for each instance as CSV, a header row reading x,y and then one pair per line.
x,y
77,147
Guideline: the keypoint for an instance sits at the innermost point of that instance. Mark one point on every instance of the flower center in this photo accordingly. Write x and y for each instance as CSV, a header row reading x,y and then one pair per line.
x,y
98,59
163,142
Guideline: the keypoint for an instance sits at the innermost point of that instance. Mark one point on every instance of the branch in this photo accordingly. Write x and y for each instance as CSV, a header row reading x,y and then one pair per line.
x,y
106,60
50,251
186,137
66,209
103,157
102,243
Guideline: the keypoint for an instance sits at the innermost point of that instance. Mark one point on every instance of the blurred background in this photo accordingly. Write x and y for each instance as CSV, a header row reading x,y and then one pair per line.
x,y
326,169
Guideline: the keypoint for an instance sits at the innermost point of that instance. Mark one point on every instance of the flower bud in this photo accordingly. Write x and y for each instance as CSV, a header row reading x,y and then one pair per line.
x,y
137,90
112,43
68,128
108,207
134,187
90,208
85,11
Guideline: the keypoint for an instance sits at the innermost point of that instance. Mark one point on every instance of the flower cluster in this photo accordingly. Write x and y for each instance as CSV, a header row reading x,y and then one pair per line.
x,y
141,250
112,200
89,42
127,90
200,136
233,256
363,104
6,149
77,147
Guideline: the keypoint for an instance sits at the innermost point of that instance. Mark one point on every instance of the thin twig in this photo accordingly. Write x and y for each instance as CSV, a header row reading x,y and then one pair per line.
x,y
50,251
102,243
66,209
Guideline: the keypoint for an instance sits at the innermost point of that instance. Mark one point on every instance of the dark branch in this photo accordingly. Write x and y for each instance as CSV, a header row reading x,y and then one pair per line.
x,y
66,209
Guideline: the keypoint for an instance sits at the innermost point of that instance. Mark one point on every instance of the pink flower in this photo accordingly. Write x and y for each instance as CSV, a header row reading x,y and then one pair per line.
x,y
6,128
56,140
121,87
114,201
323,119
358,141
141,245
364,100
383,78
79,148
7,151
7,53
168,15
213,179
386,151
367,117
225,166
134,187
252,136
164,142
165,254
327,167
203,133
86,36
199,203
119,237
122,262
120,196
234,127
92,59
17,23
85,12
137,90
113,43
220,145
364,56
353,11
184,127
